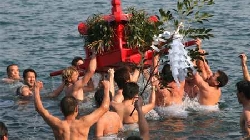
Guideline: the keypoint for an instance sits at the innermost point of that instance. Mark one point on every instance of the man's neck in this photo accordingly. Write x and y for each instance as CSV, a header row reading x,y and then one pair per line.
x,y
70,118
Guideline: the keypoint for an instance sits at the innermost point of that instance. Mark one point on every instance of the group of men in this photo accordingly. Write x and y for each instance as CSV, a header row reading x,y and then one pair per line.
x,y
119,105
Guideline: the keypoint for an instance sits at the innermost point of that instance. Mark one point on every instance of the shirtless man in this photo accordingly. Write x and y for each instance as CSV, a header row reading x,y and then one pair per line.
x,y
243,90
72,85
104,125
142,122
244,67
130,94
71,128
121,76
13,74
209,84
168,92
29,79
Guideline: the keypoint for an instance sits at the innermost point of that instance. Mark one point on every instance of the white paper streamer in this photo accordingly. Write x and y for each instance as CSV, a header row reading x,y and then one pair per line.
x,y
178,58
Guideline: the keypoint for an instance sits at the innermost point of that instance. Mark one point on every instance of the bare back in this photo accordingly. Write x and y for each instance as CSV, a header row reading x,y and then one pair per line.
x,y
172,95
109,123
71,130
124,110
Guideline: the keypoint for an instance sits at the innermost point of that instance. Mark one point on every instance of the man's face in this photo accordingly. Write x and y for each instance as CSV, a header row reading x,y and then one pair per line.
x,y
74,77
30,79
80,62
13,72
212,81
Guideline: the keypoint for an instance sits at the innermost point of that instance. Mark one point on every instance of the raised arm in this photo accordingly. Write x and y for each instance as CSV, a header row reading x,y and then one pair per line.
x,y
92,118
48,118
151,103
202,64
155,65
111,81
142,122
91,71
244,67
200,82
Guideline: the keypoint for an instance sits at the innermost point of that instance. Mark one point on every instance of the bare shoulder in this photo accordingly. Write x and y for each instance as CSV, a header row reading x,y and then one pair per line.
x,y
246,113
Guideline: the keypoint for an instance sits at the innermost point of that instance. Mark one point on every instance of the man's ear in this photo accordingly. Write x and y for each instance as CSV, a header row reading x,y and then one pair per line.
x,y
76,109
217,83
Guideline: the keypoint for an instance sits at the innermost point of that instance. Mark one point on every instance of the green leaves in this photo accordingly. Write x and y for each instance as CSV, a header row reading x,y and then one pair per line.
x,y
139,30
100,34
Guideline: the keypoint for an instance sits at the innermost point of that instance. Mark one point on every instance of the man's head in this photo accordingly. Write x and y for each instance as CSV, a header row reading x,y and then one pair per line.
x,y
166,75
218,79
3,131
29,77
77,61
99,96
121,76
243,91
130,90
13,72
69,105
134,138
70,75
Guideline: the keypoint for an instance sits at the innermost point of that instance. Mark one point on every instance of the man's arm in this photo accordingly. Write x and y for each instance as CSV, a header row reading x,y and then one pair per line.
x,y
48,118
202,64
92,118
134,77
199,81
151,104
57,91
111,81
244,67
91,71
142,122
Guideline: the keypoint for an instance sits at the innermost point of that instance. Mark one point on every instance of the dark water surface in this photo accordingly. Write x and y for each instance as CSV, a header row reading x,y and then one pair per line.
x,y
43,35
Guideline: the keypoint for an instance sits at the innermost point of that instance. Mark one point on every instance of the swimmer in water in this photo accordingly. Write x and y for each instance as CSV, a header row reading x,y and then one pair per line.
x,y
243,89
105,127
13,74
71,128
27,89
130,93
72,84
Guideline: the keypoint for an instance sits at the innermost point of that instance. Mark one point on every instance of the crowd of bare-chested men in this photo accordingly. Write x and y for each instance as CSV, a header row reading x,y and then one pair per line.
x,y
118,98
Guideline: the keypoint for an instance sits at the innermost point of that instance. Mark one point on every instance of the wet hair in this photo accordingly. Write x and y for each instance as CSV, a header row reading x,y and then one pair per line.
x,y
244,87
28,70
75,60
121,76
99,96
67,73
130,89
134,138
3,130
166,74
222,78
68,105
8,68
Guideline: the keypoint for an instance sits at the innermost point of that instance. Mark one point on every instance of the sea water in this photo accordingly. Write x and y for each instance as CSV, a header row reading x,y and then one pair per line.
x,y
43,35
